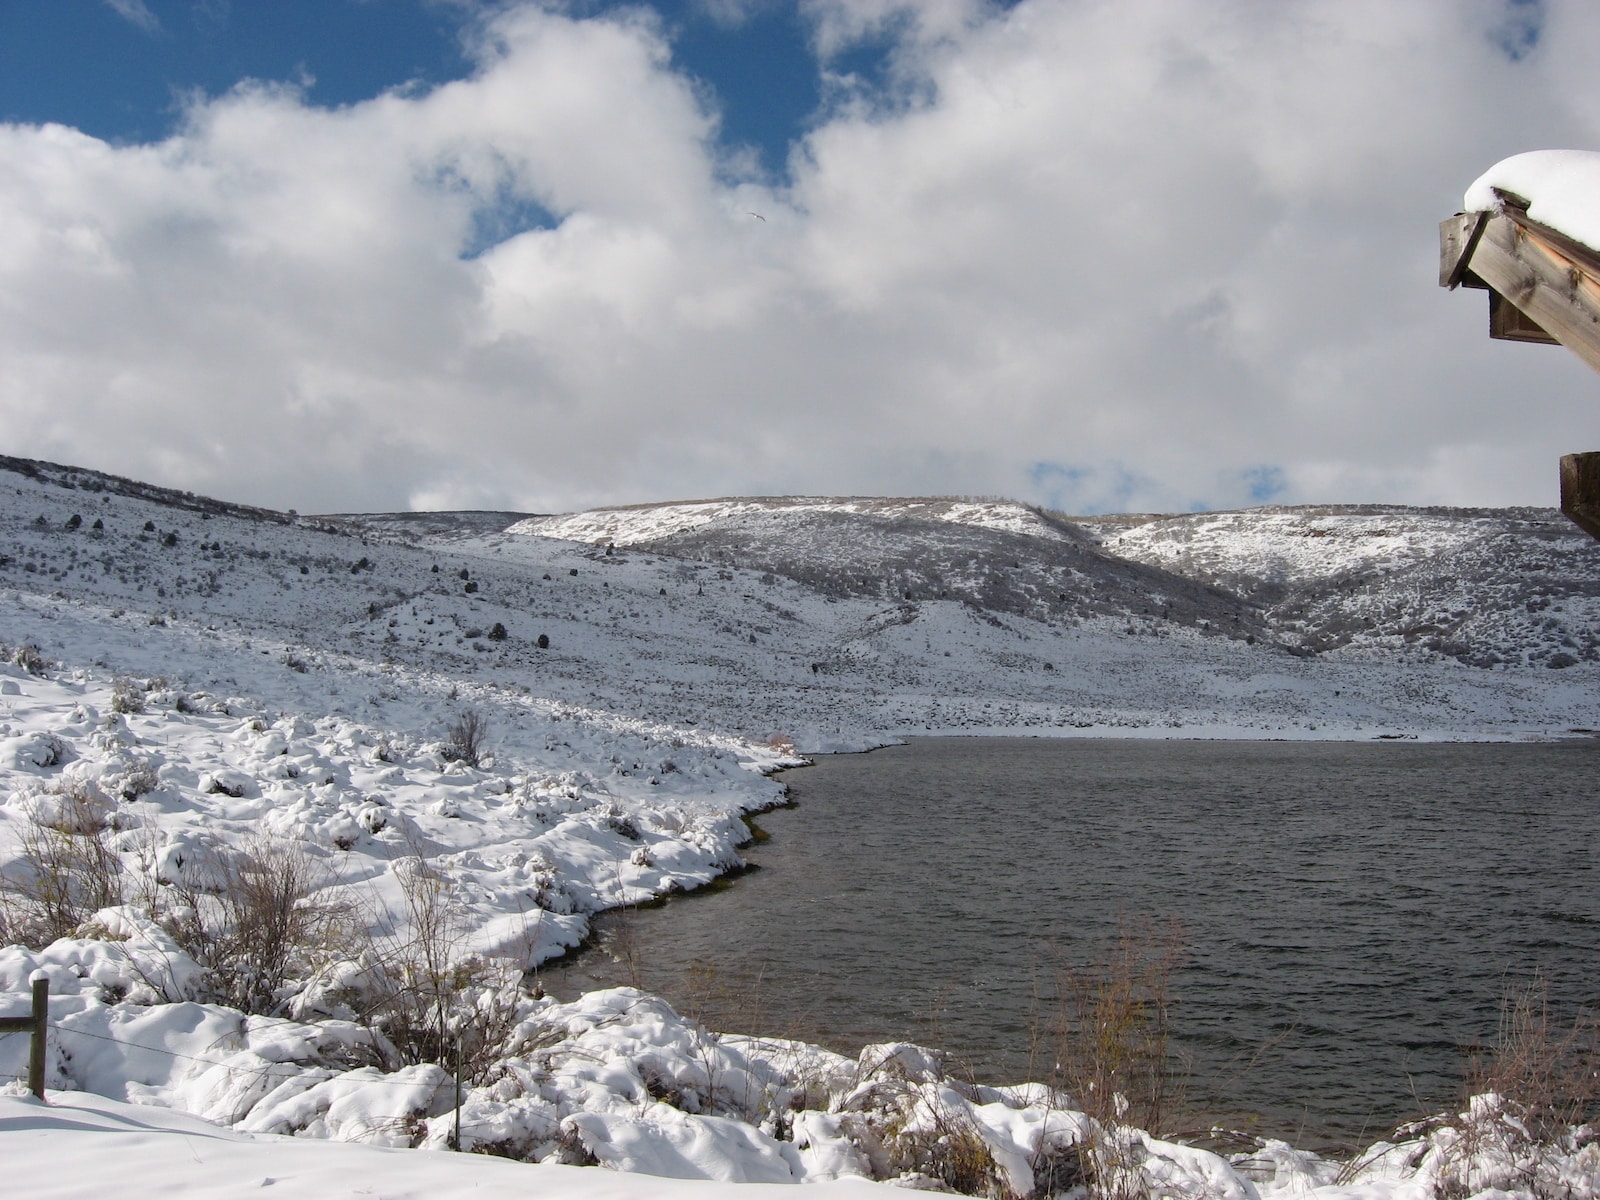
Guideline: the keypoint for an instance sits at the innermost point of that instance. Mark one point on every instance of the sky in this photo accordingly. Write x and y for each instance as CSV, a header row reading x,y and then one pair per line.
x,y
342,255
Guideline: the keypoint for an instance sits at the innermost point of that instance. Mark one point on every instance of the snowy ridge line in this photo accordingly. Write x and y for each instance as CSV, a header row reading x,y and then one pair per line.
x,y
768,628
634,525
99,481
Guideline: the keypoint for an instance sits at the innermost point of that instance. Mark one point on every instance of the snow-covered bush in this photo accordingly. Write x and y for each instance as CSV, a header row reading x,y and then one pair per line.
x,y
257,916
126,695
64,870
30,658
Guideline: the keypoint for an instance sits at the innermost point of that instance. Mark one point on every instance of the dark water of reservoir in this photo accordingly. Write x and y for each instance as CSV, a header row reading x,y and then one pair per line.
x,y
1353,913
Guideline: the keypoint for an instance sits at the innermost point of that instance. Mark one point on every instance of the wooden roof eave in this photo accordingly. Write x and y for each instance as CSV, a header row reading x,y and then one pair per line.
x,y
1543,285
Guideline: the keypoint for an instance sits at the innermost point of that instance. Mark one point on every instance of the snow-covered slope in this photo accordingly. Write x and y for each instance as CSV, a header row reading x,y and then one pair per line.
x,y
636,525
1488,587
835,627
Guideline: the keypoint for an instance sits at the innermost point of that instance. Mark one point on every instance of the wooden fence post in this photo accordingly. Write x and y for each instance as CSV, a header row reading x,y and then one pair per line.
x,y
41,1022
35,1023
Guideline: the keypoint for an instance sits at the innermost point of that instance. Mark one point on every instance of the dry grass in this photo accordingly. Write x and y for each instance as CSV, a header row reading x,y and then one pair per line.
x,y
1530,1100
1106,1043
65,871
1109,1038
257,917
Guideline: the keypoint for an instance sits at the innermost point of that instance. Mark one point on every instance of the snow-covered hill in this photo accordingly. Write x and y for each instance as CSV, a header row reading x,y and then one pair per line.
x,y
637,524
1488,587
837,623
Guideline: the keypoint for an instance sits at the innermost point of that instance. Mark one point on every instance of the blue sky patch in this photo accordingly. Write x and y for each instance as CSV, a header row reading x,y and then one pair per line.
x,y
1264,483
121,70
508,216
1519,29
1086,491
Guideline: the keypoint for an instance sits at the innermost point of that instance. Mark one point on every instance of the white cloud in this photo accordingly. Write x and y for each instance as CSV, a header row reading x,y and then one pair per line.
x,y
1105,255
137,12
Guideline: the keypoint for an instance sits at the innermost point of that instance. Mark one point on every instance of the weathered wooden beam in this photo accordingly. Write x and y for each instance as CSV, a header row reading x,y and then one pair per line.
x,y
1551,279
1580,490
1458,238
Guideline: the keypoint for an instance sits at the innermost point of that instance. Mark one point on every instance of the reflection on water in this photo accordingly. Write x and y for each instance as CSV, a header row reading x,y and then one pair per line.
x,y
1353,912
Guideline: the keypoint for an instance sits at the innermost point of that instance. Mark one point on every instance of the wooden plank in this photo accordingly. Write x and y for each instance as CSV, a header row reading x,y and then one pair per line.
x,y
1557,292
1508,323
1580,491
1458,238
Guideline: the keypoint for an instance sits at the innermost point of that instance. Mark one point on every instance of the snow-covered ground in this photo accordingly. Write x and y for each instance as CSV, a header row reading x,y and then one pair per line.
x,y
211,693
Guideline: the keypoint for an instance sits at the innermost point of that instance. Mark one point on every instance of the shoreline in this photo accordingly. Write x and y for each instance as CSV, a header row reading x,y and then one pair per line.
x,y
1292,1118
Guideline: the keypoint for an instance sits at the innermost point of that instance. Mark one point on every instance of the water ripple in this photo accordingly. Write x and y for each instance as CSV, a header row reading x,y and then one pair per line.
x,y
1354,912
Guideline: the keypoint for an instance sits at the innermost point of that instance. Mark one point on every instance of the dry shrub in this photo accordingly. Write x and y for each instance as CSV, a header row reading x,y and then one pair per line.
x,y
1109,1035
463,740
623,943
1531,1099
256,917
1551,1071
65,871
424,964
1108,1039
433,1002
720,996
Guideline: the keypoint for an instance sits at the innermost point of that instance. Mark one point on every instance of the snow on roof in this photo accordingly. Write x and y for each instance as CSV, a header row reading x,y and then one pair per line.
x,y
1562,188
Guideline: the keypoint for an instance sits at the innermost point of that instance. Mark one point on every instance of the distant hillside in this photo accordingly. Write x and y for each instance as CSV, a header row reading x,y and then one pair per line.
x,y
838,621
1487,587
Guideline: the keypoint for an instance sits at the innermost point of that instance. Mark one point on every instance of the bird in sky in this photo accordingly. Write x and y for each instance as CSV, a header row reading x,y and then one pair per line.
x,y
758,217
